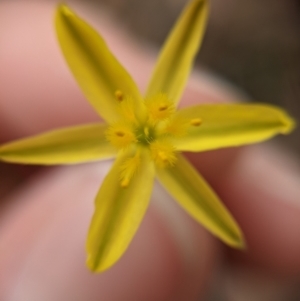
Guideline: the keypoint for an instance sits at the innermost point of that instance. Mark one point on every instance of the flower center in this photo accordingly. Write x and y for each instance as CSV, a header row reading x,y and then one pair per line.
x,y
154,132
145,134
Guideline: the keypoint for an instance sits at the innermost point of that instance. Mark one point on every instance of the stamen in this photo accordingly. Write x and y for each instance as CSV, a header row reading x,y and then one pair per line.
x,y
163,107
176,126
196,122
120,135
125,183
163,153
127,108
160,107
129,169
163,156
119,95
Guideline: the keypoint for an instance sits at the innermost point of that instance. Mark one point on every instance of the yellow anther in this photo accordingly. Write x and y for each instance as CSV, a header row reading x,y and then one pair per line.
x,y
163,107
196,122
125,183
163,153
160,107
119,95
163,156
120,135
127,107
128,169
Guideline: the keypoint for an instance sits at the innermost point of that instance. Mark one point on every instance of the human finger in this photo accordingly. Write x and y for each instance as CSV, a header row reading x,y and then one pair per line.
x,y
42,246
17,256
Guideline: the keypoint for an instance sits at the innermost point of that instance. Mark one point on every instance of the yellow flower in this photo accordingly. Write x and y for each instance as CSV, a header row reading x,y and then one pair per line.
x,y
145,134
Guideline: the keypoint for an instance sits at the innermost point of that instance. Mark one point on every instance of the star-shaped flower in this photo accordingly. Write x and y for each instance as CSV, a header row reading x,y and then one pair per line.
x,y
145,134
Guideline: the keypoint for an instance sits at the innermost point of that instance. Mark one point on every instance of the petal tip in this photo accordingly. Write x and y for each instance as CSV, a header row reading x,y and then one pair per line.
x,y
91,265
96,266
64,9
289,124
236,239
239,243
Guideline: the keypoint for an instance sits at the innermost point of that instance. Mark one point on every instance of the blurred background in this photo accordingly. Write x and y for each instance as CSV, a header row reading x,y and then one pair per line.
x,y
253,44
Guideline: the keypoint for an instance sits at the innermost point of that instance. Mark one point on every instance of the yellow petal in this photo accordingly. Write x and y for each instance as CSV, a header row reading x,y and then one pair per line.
x,y
70,145
196,197
119,211
176,58
96,70
226,125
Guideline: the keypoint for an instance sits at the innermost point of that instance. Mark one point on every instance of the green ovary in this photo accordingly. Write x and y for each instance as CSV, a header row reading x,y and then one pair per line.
x,y
145,134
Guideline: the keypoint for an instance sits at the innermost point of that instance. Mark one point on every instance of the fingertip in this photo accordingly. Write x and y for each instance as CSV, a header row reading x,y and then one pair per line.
x,y
34,79
261,189
53,221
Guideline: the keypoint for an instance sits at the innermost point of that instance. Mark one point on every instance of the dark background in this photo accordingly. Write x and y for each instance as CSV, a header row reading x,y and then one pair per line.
x,y
254,44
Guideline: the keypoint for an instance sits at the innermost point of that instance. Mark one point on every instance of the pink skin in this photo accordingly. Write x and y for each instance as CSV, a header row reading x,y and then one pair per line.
x,y
43,226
